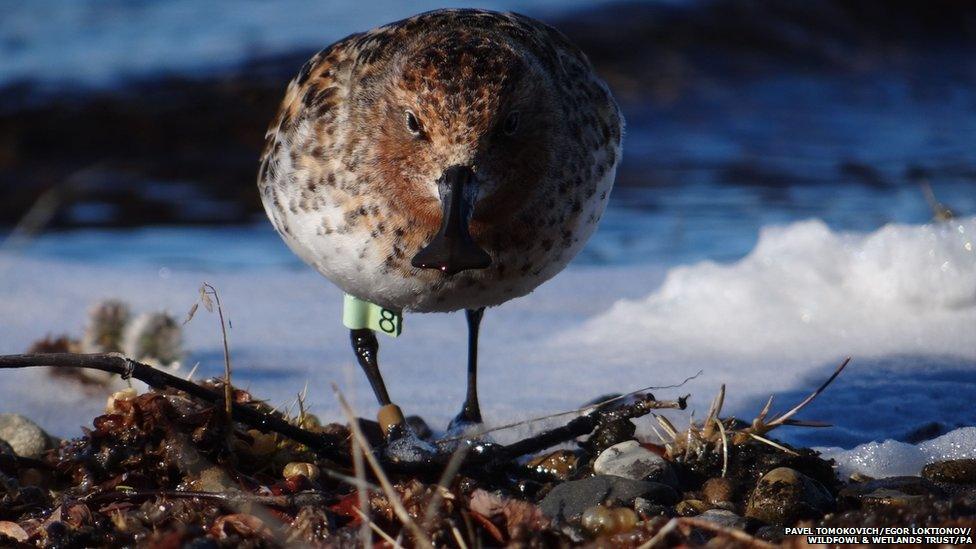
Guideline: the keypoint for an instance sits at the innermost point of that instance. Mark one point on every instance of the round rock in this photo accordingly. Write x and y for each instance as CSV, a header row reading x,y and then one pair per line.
x,y
631,460
955,471
717,490
785,495
23,435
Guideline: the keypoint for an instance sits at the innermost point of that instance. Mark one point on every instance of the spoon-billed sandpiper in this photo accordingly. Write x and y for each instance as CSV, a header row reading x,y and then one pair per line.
x,y
453,160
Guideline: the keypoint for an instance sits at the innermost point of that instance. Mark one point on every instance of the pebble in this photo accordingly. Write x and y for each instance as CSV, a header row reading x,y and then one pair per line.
x,y
785,495
298,468
568,500
560,464
772,534
625,519
727,505
599,520
913,486
13,530
717,490
724,518
25,437
884,497
955,471
690,508
631,460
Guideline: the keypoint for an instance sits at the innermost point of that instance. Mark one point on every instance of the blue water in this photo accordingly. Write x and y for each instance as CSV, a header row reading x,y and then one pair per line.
x,y
665,225
101,43
702,172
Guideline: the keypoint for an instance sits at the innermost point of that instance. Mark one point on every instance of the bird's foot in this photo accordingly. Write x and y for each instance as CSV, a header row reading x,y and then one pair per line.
x,y
464,426
403,445
467,431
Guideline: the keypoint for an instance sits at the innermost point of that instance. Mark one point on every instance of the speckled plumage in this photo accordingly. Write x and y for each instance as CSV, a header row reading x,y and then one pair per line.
x,y
354,193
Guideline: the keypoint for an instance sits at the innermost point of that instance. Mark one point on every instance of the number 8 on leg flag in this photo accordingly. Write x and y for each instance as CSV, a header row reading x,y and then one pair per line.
x,y
358,314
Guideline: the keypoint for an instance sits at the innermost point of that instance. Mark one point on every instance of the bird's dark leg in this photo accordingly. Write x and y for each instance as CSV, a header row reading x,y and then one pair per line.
x,y
471,411
367,348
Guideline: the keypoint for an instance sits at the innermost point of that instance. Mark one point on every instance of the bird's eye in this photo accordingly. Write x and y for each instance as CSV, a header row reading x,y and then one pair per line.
x,y
511,123
413,125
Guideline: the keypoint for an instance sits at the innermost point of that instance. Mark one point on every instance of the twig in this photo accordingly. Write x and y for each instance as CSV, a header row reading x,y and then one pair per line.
x,y
773,444
668,427
325,445
725,446
206,290
331,447
685,524
457,535
584,425
737,535
940,212
793,411
713,412
300,499
596,406
660,535
361,495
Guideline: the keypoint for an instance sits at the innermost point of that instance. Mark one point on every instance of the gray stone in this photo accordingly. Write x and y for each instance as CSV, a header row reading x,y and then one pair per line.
x,y
884,497
956,471
912,486
724,518
726,505
25,437
6,448
785,495
629,459
568,500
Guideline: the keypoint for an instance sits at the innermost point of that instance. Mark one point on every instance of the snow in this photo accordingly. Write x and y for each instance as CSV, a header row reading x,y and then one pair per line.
x,y
901,300
892,458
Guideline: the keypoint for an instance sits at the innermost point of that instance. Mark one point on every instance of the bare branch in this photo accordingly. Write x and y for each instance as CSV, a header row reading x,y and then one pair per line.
x,y
327,446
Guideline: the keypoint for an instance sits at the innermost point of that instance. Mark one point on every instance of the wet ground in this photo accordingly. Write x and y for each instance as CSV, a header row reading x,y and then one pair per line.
x,y
163,468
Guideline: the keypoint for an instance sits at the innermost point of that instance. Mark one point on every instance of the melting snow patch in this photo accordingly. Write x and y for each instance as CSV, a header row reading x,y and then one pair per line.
x,y
901,300
808,292
892,458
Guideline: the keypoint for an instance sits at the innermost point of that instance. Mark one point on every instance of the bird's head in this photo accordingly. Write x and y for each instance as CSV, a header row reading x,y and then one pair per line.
x,y
463,129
